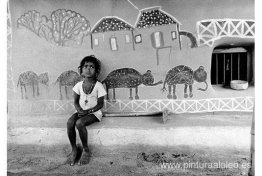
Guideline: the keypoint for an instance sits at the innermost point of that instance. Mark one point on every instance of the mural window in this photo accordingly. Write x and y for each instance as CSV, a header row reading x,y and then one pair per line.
x,y
231,64
157,39
128,40
138,38
173,35
113,44
96,42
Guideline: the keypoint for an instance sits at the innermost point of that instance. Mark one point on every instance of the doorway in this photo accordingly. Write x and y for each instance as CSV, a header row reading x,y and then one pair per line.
x,y
232,64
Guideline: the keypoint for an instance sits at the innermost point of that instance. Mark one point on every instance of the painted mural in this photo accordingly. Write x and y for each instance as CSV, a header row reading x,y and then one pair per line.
x,y
211,30
141,38
68,28
109,24
191,37
184,75
67,79
30,78
153,17
64,28
128,78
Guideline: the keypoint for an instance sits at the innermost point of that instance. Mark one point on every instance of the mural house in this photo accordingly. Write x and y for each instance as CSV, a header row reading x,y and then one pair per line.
x,y
163,30
113,33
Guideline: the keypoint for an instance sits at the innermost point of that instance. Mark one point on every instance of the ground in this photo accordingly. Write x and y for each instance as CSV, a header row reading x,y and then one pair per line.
x,y
34,160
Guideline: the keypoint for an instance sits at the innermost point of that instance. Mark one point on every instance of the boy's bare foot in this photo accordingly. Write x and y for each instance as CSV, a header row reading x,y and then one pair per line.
x,y
72,157
85,157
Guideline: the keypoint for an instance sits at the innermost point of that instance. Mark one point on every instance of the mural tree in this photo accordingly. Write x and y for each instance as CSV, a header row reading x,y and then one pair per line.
x,y
68,26
31,20
45,30
65,28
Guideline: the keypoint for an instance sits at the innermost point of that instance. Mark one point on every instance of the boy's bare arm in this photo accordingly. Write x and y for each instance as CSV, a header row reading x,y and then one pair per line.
x,y
100,104
76,102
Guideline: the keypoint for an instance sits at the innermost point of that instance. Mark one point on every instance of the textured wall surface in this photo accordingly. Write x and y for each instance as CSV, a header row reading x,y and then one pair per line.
x,y
49,38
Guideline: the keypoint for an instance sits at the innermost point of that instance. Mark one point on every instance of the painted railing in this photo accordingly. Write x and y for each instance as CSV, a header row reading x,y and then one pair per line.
x,y
242,104
213,29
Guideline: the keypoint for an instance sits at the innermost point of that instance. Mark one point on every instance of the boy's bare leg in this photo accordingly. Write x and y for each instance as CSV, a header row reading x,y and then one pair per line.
x,y
72,137
81,126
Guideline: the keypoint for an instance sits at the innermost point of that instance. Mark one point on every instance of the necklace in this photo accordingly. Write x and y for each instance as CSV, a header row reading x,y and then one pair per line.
x,y
87,93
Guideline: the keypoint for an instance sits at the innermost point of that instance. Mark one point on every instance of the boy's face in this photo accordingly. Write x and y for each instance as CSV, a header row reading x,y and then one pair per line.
x,y
88,70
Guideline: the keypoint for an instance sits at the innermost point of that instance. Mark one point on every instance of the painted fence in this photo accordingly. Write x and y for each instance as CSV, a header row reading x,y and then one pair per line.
x,y
213,29
41,107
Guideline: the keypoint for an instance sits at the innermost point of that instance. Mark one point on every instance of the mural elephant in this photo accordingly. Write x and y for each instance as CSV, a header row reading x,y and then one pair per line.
x,y
128,78
67,78
184,75
32,79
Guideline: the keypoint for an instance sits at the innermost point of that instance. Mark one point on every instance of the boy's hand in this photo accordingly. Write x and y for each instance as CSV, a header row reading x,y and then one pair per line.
x,y
81,112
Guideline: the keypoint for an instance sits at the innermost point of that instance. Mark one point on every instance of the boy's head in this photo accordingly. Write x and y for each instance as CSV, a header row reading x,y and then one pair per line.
x,y
93,60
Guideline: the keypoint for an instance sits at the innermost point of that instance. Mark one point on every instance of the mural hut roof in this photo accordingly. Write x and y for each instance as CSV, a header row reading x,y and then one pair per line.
x,y
111,23
154,16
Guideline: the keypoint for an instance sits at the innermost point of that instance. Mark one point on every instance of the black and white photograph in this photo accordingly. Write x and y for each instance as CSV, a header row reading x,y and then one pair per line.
x,y
130,87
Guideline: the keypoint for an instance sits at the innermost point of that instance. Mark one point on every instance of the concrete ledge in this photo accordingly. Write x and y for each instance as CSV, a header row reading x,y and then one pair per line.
x,y
228,131
229,137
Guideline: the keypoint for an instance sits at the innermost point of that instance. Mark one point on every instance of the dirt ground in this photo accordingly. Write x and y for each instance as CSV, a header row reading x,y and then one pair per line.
x,y
132,160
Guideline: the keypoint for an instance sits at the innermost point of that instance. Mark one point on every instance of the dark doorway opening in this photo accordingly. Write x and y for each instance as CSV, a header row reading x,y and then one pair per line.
x,y
235,63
